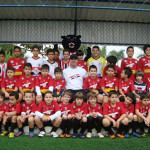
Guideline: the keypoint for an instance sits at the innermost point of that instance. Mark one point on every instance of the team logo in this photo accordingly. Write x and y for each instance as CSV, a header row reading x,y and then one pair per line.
x,y
125,60
11,61
23,62
118,108
143,59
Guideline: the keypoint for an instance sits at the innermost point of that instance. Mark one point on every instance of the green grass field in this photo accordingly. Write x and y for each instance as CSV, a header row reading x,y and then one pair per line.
x,y
49,143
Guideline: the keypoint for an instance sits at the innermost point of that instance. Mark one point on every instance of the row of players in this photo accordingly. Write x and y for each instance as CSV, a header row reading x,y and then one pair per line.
x,y
101,86
119,115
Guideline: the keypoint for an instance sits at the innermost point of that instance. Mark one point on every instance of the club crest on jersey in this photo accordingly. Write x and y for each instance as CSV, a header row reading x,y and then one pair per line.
x,y
118,108
11,61
23,62
125,60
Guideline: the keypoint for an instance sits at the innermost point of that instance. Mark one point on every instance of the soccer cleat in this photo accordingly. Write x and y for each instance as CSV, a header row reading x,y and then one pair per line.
x,y
67,135
89,135
11,135
54,134
136,134
4,133
31,134
74,135
18,133
81,135
41,134
100,135
62,135
127,135
120,136
112,136
143,135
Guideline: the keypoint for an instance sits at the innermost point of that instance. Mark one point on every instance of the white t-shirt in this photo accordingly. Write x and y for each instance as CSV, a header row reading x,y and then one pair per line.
x,y
36,65
51,67
74,77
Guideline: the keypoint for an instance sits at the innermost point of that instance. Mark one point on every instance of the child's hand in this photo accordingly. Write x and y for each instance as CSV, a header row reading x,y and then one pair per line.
x,y
117,124
78,116
7,95
69,116
64,116
114,123
130,116
9,115
45,118
146,121
95,114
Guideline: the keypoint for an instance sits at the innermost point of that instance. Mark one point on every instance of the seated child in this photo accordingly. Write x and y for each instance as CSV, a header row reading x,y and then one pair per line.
x,y
27,114
78,112
114,115
12,111
59,84
65,108
94,115
48,114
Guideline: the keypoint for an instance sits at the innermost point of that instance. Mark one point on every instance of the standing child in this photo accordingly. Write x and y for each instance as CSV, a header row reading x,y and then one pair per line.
x,y
44,82
109,82
36,61
56,56
27,114
48,114
12,111
65,108
51,62
114,115
94,115
3,107
78,112
59,84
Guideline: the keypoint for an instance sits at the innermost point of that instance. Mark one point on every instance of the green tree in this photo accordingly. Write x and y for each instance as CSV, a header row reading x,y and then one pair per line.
x,y
103,51
119,55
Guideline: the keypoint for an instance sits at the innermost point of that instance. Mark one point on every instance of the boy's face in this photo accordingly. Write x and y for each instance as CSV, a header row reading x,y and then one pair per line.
x,y
27,70
17,52
2,58
10,74
139,78
110,72
12,100
92,72
44,72
66,55
130,52
58,75
147,51
145,101
123,75
28,97
48,98
79,101
66,98
128,100
35,52
56,55
80,58
1,99
92,100
113,98
50,56
96,52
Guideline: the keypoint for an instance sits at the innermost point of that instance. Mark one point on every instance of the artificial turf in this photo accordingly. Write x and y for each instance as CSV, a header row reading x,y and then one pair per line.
x,y
49,143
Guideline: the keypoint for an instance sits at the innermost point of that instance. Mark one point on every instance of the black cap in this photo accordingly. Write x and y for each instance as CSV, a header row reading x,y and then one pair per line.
x,y
73,56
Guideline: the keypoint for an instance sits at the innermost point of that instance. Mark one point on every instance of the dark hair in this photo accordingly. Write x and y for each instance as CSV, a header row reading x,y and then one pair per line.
x,y
66,50
67,92
112,60
79,53
113,92
17,47
50,51
79,95
110,66
15,94
92,66
91,94
139,73
146,46
131,95
10,68
95,47
2,94
28,92
49,92
56,50
45,66
144,95
28,65
2,53
35,46
127,71
129,48
57,69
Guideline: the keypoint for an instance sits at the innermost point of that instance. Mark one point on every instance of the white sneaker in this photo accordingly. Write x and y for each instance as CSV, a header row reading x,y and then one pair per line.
x,y
54,134
100,135
41,134
89,135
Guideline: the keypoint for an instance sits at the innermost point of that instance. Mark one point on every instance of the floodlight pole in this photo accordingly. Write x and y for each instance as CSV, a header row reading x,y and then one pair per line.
x,y
75,20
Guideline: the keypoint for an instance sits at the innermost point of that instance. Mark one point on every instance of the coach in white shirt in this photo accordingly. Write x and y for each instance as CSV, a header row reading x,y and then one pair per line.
x,y
74,76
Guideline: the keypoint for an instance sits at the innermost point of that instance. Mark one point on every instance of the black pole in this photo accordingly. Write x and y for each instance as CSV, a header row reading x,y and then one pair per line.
x,y
75,21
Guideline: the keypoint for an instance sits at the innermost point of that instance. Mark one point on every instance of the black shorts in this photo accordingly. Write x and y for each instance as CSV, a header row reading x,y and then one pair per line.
x,y
47,123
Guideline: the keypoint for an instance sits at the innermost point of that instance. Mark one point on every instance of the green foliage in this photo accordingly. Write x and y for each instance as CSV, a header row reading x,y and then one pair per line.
x,y
103,51
119,55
